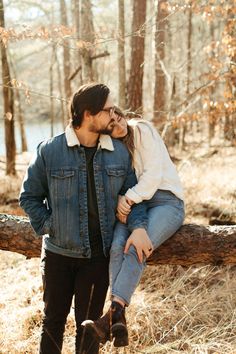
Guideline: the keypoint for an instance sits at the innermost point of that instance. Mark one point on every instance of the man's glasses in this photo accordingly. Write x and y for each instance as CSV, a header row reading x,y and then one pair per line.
x,y
110,110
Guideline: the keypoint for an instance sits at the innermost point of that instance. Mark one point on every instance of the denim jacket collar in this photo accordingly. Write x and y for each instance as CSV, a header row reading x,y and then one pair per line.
x,y
105,141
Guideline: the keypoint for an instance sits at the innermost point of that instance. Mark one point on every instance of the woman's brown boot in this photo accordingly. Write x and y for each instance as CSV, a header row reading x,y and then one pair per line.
x,y
119,328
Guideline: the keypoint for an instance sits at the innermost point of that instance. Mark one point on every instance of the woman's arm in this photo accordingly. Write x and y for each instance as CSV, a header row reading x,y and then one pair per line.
x,y
149,147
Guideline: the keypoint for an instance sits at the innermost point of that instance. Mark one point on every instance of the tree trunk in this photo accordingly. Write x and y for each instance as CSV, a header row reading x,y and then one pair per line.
x,y
230,125
76,20
24,146
211,121
75,15
51,75
191,245
8,100
135,84
159,97
87,35
169,134
121,55
66,52
64,118
182,124
17,102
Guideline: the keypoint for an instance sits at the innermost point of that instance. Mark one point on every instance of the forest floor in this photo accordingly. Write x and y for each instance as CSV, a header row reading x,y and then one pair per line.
x,y
175,309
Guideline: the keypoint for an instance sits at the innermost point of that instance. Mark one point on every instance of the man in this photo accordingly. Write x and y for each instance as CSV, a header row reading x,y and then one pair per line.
x,y
70,194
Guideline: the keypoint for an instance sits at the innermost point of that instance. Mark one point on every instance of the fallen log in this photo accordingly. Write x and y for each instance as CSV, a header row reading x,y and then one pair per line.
x,y
190,245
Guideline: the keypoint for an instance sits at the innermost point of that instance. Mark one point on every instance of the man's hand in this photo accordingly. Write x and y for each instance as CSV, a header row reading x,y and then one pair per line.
x,y
141,241
124,205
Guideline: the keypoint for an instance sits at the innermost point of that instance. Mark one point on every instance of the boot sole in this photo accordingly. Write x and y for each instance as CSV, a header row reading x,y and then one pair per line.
x,y
120,333
95,334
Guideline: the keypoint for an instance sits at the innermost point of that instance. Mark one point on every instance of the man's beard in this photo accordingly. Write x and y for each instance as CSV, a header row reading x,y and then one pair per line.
x,y
107,130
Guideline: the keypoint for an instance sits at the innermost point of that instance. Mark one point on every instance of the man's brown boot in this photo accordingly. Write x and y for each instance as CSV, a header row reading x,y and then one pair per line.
x,y
101,328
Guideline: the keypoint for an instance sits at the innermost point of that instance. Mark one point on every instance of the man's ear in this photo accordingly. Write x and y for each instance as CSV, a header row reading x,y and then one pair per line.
x,y
87,115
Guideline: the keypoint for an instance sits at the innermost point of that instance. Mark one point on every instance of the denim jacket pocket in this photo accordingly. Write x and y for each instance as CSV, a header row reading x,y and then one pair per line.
x,y
116,176
62,182
62,173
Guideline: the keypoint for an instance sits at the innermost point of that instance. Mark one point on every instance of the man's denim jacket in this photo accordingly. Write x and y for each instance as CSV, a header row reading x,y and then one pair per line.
x,y
54,192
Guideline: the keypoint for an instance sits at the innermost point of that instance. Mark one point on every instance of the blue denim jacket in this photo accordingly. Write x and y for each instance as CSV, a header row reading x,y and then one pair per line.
x,y
54,193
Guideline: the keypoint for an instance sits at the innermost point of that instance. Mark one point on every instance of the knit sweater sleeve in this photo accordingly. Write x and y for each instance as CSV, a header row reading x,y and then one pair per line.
x,y
148,145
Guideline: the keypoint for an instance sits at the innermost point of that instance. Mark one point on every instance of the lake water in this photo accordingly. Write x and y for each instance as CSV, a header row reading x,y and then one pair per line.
x,y
35,133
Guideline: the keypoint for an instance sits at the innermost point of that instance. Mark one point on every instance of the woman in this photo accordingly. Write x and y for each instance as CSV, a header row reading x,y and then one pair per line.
x,y
159,187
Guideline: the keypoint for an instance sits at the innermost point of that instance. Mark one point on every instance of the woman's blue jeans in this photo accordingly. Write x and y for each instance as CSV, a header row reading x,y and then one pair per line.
x,y
165,216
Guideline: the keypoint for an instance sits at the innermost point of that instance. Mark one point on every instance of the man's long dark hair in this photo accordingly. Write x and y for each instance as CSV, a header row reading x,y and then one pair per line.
x,y
89,97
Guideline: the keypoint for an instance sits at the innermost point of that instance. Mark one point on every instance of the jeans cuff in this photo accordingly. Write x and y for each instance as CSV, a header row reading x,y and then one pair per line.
x,y
113,294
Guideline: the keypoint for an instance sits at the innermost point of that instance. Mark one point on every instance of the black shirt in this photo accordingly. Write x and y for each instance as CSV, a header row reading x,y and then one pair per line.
x,y
95,237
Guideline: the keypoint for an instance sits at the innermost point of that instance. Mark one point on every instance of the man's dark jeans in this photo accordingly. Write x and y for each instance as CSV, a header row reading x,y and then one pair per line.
x,y
64,277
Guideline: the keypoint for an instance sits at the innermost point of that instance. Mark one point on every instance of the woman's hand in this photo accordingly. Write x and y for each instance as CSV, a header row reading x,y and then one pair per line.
x,y
124,205
141,241
122,218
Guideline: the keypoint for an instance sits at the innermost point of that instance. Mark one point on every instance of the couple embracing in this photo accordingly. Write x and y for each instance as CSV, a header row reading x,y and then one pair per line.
x,y
104,194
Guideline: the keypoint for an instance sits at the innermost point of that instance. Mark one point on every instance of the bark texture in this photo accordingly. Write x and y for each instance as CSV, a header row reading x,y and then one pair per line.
x,y
135,83
191,245
16,235
197,244
160,80
66,51
88,37
121,55
8,104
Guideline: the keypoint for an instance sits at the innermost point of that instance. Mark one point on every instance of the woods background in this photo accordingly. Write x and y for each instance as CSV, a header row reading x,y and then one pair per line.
x,y
172,62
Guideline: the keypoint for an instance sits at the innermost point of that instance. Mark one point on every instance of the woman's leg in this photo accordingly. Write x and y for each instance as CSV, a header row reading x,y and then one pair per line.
x,y
121,234
163,221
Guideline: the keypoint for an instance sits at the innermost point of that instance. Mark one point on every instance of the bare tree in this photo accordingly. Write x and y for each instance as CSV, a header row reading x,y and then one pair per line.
x,y
87,53
121,54
51,76
66,52
18,106
182,124
211,121
230,117
135,84
63,116
88,37
24,146
76,20
8,100
159,92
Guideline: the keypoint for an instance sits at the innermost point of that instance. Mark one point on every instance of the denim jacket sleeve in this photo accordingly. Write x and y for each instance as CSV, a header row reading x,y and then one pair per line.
x,y
34,193
138,216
